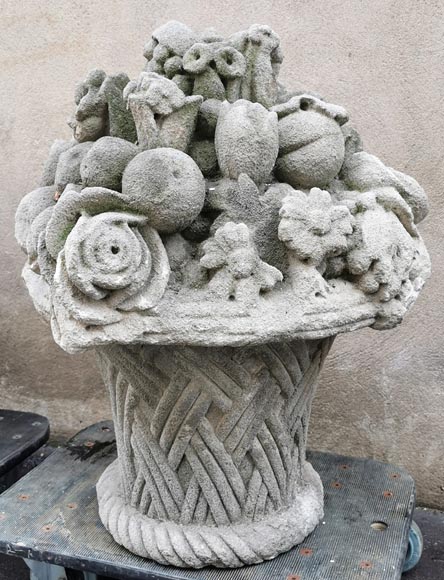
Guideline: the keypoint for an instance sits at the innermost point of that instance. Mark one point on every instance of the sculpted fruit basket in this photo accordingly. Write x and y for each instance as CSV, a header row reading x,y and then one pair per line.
x,y
209,232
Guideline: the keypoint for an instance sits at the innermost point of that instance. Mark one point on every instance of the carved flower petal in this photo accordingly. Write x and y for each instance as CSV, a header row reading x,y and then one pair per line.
x,y
104,253
157,282
268,276
214,256
69,301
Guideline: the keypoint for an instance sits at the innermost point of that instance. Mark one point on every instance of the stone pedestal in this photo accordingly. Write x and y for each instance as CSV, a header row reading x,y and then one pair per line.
x,y
211,445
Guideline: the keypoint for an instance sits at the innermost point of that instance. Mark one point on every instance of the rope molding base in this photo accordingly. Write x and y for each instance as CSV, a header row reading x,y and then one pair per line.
x,y
196,546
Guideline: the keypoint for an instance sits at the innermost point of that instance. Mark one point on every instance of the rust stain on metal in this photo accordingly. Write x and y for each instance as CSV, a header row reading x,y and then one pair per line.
x,y
71,506
336,484
365,565
294,577
388,493
23,497
306,551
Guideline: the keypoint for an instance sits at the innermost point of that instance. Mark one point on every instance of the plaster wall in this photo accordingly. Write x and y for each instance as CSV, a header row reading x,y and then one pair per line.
x,y
381,393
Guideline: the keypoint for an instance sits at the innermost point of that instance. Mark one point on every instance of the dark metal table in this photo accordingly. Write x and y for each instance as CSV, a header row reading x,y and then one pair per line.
x,y
51,516
21,434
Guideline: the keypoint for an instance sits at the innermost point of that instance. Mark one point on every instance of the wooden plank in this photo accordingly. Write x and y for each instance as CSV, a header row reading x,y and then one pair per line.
x,y
51,515
20,435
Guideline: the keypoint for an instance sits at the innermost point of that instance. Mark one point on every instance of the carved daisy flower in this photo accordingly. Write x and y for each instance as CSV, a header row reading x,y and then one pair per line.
x,y
313,227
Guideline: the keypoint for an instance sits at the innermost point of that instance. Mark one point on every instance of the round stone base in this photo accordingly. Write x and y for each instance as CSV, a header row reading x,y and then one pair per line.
x,y
196,546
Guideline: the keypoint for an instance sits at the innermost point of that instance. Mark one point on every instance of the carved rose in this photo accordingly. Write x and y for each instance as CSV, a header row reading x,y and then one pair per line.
x,y
111,262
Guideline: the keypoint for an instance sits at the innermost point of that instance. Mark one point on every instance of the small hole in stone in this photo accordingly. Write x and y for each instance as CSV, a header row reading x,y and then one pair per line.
x,y
304,105
318,294
379,526
231,297
176,173
365,565
115,249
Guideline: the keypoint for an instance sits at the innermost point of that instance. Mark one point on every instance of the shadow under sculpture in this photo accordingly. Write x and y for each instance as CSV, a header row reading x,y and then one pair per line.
x,y
209,232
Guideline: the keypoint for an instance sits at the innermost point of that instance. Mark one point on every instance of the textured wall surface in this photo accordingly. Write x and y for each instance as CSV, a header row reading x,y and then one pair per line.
x,y
381,393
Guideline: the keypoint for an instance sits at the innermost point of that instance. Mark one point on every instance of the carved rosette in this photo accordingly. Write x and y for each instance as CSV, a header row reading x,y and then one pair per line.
x,y
211,445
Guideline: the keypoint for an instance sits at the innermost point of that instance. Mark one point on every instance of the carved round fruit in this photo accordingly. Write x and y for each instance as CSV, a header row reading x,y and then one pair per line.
x,y
311,149
167,186
105,162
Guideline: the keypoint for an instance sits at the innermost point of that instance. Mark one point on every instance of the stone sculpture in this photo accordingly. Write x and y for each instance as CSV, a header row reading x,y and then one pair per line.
x,y
209,232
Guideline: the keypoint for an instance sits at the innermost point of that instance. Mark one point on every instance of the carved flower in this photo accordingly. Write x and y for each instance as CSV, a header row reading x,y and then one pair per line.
x,y
101,108
313,227
160,108
246,140
240,273
162,95
111,262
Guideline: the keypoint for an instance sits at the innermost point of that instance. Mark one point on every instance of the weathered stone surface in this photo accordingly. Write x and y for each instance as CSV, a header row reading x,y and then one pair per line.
x,y
268,270
221,467
105,162
168,187
68,166
246,140
101,108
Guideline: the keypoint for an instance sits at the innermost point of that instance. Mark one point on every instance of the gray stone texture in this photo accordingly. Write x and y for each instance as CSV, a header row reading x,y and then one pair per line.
x,y
314,72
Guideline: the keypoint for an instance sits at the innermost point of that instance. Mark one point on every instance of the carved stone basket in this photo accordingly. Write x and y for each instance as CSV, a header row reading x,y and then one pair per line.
x,y
208,233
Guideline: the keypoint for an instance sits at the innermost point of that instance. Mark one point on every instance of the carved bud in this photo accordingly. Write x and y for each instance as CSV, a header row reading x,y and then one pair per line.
x,y
246,140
